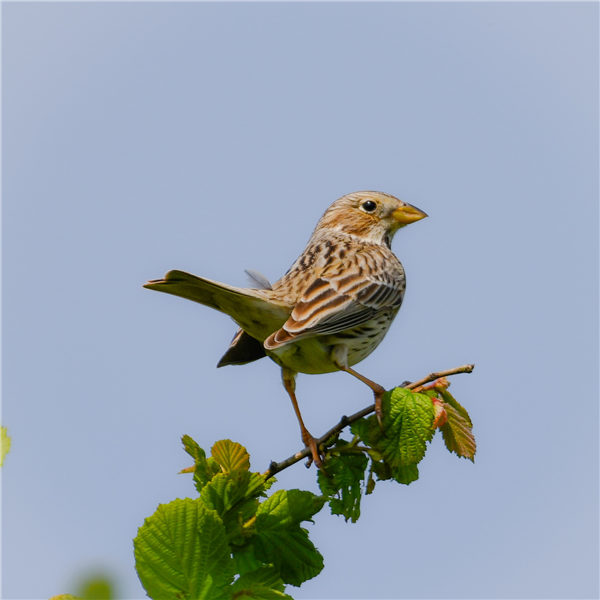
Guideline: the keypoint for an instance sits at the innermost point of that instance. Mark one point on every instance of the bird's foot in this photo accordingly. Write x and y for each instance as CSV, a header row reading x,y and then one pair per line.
x,y
378,408
311,443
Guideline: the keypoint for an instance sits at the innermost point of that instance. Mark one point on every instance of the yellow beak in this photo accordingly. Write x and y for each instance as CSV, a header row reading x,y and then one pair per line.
x,y
408,214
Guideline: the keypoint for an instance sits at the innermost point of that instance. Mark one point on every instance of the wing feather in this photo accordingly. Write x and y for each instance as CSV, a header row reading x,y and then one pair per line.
x,y
336,303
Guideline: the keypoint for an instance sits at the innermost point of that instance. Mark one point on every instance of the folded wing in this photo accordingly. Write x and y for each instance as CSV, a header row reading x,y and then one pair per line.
x,y
338,303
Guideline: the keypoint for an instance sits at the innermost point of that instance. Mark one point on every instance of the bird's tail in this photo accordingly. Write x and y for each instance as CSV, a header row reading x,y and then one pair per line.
x,y
256,311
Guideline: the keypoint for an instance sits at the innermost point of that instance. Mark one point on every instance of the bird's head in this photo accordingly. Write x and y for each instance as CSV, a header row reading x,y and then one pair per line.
x,y
372,216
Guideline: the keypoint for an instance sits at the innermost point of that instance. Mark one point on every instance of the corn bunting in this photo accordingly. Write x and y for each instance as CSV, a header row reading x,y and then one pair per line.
x,y
330,310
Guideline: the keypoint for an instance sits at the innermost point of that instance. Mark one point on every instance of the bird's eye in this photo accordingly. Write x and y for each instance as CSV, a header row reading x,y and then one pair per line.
x,y
369,206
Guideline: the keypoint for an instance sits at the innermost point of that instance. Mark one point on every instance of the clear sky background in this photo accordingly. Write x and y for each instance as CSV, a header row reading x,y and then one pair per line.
x,y
142,137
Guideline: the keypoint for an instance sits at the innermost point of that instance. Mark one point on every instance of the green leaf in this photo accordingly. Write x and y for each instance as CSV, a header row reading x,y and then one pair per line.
x,y
262,584
234,497
228,489
205,469
181,552
4,444
266,576
407,427
192,448
280,540
244,558
365,429
405,473
342,482
457,433
231,455
407,420
258,592
382,470
402,473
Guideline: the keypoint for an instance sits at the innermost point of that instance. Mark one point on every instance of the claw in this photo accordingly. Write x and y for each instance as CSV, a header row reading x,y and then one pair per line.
x,y
310,442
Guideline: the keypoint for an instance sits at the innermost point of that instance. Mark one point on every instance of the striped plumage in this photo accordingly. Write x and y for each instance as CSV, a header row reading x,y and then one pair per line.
x,y
331,309
343,292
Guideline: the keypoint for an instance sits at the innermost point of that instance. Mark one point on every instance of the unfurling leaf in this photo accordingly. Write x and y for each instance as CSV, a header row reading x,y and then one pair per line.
x,y
448,398
234,497
204,468
231,455
440,417
181,551
279,540
342,482
192,448
457,433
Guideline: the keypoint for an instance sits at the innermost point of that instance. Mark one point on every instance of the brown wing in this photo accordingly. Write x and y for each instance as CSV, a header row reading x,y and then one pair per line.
x,y
331,304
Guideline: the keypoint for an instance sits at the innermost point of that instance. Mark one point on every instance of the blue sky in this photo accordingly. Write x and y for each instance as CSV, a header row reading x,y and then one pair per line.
x,y
142,137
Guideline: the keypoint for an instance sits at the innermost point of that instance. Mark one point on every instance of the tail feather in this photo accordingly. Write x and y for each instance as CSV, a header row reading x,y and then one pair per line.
x,y
253,310
242,350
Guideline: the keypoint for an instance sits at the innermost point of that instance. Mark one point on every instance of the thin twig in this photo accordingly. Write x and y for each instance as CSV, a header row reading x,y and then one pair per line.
x,y
434,376
276,467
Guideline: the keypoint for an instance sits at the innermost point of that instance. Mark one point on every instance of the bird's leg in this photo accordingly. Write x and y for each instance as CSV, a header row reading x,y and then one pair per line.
x,y
378,391
340,360
289,382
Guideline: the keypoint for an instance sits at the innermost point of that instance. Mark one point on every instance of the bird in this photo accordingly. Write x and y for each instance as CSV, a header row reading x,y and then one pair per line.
x,y
330,310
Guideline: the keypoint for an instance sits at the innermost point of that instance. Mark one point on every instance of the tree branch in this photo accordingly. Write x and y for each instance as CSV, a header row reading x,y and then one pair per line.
x,y
434,376
276,467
